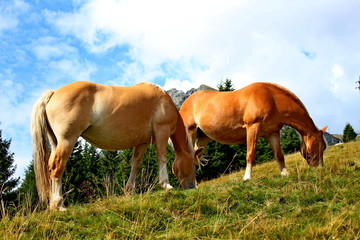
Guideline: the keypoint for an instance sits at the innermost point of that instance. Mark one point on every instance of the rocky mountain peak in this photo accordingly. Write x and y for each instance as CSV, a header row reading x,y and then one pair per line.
x,y
179,96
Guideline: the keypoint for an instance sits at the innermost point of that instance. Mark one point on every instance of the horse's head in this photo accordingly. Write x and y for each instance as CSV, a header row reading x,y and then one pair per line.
x,y
312,148
184,168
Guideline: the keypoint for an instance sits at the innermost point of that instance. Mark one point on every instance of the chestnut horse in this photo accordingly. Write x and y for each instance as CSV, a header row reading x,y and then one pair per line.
x,y
111,118
257,110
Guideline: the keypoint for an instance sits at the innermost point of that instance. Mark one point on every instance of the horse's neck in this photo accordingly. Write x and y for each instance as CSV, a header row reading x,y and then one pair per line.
x,y
180,140
302,122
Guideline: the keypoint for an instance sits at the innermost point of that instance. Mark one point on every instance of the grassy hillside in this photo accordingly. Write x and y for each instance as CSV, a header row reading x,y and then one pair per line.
x,y
309,204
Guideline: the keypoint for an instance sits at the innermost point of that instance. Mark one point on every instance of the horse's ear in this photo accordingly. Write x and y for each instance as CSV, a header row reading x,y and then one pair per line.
x,y
198,151
324,129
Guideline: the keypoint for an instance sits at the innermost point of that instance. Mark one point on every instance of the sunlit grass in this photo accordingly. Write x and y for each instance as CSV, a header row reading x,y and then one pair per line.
x,y
311,203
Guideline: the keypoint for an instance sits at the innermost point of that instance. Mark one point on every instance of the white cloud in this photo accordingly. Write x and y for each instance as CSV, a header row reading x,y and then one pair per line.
x,y
337,71
12,109
228,38
48,48
68,70
9,13
15,117
61,62
134,72
157,32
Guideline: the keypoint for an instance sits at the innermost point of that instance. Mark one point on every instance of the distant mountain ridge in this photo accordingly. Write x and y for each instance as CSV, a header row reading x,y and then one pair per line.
x,y
179,97
332,140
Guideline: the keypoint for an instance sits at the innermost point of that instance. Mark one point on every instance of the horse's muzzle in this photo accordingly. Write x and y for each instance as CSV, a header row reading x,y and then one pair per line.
x,y
192,186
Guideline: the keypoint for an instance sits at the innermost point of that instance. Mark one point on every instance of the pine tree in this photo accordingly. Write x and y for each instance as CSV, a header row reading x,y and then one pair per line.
x,y
221,159
7,169
226,86
263,151
109,171
27,190
79,183
349,134
289,139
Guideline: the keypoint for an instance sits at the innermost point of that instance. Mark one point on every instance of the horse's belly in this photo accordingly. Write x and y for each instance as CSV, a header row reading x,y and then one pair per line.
x,y
227,135
115,138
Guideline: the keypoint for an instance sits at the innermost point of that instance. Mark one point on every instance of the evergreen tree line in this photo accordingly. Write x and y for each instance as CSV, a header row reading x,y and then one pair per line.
x,y
92,173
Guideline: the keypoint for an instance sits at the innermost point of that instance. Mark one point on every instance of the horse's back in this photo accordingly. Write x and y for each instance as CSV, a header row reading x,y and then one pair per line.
x,y
97,100
258,98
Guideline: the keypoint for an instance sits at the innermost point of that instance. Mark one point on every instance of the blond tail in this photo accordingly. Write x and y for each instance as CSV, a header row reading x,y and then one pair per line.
x,y
41,146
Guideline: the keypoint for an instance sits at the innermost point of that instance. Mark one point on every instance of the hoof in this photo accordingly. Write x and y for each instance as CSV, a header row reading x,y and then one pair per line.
x,y
62,209
128,192
57,204
284,173
246,178
166,186
129,189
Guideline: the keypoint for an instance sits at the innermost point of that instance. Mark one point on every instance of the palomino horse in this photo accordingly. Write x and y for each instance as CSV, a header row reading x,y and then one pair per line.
x,y
110,118
258,110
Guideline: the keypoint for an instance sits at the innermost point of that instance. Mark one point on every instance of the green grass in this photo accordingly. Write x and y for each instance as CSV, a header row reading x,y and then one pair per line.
x,y
311,203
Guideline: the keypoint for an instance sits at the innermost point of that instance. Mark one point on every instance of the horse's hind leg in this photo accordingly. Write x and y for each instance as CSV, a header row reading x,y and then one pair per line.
x,y
252,136
138,155
57,162
274,140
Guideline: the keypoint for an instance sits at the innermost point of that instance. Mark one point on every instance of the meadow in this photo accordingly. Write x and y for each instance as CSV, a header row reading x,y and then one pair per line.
x,y
311,203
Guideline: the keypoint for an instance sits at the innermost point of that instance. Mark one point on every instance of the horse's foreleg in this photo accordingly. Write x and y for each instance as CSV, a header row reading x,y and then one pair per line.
x,y
138,155
163,174
57,163
162,134
252,136
274,140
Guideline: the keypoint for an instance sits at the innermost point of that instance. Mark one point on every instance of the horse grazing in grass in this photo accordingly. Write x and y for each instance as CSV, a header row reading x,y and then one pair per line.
x,y
110,118
257,110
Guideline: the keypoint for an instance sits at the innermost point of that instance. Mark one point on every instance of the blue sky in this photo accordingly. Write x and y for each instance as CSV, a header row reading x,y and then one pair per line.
x,y
310,47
